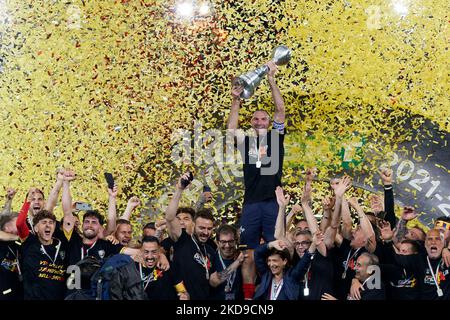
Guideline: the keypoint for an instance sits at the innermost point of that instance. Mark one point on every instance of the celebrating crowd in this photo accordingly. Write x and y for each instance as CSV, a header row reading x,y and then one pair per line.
x,y
268,254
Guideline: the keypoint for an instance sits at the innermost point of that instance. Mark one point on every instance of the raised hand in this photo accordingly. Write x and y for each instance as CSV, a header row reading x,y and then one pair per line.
x,y
386,232
60,174
10,193
353,202
328,203
283,200
386,176
69,175
318,238
409,213
113,193
273,69
343,186
310,174
134,202
236,91
184,176
30,193
306,196
296,208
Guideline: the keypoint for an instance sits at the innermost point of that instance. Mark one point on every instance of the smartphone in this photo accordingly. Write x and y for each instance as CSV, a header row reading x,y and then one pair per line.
x,y
110,180
185,183
206,188
83,206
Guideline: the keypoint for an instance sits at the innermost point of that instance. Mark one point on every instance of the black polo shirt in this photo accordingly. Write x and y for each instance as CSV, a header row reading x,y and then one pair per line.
x,y
158,284
418,265
44,269
192,263
344,255
101,249
258,186
320,278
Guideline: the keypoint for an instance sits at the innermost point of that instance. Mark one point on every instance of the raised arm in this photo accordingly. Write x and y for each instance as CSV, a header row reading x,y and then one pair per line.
x,y
69,219
10,193
408,214
132,204
386,177
327,204
50,204
306,198
173,224
280,114
296,209
365,224
283,201
233,118
347,223
331,232
112,210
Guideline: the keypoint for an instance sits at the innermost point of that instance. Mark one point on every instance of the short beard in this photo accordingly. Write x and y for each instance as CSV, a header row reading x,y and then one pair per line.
x,y
90,237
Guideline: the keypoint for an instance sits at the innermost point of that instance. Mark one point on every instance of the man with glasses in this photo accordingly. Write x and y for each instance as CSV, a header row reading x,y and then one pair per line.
x,y
319,276
226,277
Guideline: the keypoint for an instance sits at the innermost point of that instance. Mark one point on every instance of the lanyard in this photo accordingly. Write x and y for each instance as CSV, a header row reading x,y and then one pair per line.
x,y
257,151
344,274
435,275
275,289
147,279
56,255
16,257
306,289
31,224
204,257
231,277
87,250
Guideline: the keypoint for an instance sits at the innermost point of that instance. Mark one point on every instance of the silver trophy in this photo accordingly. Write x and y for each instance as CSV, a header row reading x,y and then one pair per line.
x,y
251,80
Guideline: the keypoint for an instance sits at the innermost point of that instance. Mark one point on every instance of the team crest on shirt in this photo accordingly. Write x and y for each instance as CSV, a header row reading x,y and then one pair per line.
x,y
62,254
199,259
9,264
441,276
262,152
351,264
101,253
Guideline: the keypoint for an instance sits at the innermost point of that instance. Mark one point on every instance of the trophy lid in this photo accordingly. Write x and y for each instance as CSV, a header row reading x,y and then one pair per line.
x,y
281,55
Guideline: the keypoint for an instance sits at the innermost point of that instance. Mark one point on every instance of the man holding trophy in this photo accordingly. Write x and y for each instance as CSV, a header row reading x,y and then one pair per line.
x,y
262,153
